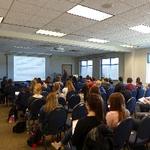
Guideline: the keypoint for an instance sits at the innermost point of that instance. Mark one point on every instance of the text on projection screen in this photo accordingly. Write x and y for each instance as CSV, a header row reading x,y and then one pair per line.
x,y
27,68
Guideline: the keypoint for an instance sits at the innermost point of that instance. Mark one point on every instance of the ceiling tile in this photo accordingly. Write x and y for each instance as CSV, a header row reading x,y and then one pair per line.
x,y
34,2
5,4
69,23
117,7
3,12
24,8
59,5
15,28
135,3
17,18
37,22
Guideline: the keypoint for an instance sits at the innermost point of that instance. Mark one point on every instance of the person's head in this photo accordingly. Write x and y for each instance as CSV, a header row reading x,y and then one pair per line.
x,y
106,80
148,85
120,79
95,104
139,84
51,102
33,82
117,103
4,78
48,80
10,81
37,88
98,83
129,80
70,86
94,89
138,80
56,87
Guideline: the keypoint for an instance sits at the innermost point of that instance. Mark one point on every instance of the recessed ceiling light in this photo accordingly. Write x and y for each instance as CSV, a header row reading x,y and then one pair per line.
x,y
1,19
51,33
141,28
97,40
128,46
89,13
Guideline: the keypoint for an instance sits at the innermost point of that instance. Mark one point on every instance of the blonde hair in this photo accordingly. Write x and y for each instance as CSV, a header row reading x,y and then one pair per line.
x,y
70,86
51,102
37,88
32,85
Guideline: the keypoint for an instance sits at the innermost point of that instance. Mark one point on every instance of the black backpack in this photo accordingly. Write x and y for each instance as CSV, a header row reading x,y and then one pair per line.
x,y
99,138
19,127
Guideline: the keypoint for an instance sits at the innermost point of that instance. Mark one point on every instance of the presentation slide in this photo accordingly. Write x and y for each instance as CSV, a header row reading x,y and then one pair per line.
x,y
27,68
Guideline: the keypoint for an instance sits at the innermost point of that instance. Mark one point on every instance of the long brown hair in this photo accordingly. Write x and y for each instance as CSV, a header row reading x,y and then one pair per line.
x,y
51,102
95,104
117,103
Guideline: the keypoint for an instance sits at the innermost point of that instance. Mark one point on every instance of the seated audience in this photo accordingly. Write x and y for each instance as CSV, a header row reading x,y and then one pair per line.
x,y
129,86
71,90
36,101
51,104
84,125
117,111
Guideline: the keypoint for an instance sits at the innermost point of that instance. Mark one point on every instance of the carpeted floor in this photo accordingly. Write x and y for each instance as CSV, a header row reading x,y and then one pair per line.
x,y
8,139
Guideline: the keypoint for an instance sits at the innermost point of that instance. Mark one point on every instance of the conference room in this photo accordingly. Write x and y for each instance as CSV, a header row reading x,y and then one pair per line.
x,y
88,42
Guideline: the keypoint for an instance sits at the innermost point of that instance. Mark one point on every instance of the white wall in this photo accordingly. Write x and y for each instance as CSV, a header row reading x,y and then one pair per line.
x,y
3,65
54,64
135,64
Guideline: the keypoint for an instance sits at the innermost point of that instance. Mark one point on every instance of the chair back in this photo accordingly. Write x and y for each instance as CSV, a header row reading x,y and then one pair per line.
x,y
73,101
143,131
35,107
79,111
44,93
147,93
122,133
55,121
62,101
134,93
140,93
131,104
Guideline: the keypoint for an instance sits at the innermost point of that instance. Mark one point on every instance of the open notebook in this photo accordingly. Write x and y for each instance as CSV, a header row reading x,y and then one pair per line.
x,y
143,99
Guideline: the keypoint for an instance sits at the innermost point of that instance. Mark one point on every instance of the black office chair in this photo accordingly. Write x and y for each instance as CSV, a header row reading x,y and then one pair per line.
x,y
55,125
141,137
62,101
147,92
73,101
122,133
35,107
44,93
79,111
131,104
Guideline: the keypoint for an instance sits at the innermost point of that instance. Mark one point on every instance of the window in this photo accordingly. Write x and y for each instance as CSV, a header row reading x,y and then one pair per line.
x,y
86,68
148,69
110,68
27,68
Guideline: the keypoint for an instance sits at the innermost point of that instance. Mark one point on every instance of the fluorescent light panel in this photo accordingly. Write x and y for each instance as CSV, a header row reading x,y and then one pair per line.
x,y
128,46
141,28
89,13
1,19
51,33
97,40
